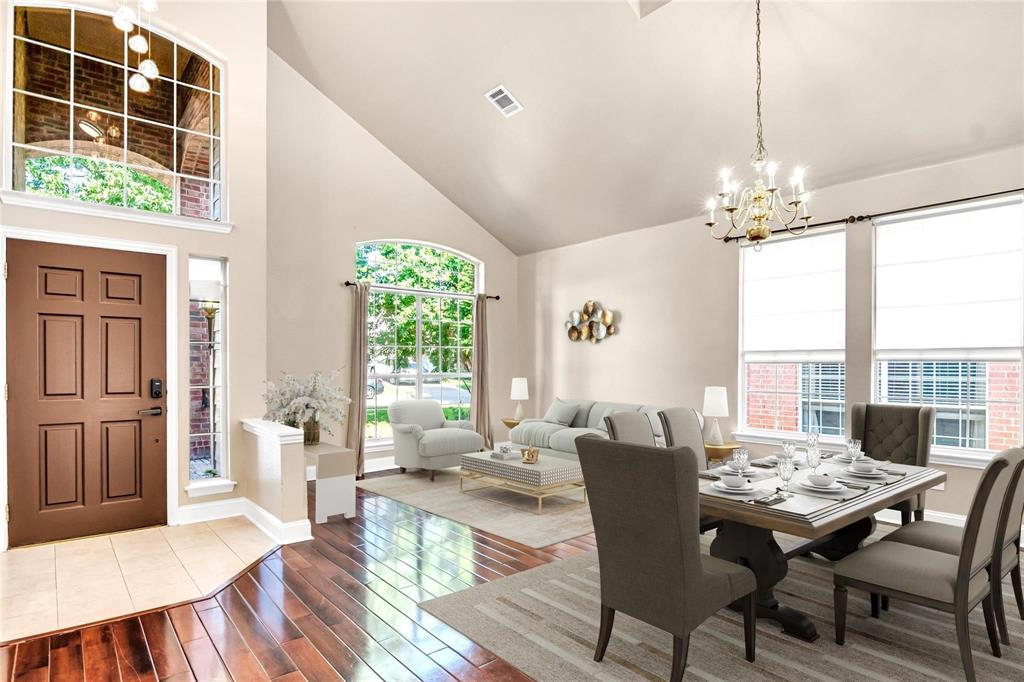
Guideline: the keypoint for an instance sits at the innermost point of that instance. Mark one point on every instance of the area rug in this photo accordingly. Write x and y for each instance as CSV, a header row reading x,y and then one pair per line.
x,y
501,512
545,621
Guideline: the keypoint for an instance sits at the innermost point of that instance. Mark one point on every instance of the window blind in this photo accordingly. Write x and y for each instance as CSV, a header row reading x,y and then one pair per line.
x,y
794,298
949,279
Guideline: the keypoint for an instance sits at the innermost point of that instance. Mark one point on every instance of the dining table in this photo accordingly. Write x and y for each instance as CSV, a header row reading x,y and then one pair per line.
x,y
830,524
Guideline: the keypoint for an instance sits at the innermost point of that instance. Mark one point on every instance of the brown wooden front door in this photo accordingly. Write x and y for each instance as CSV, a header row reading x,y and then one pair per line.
x,y
85,337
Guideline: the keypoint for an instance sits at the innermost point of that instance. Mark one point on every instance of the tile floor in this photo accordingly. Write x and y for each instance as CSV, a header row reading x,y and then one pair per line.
x,y
64,584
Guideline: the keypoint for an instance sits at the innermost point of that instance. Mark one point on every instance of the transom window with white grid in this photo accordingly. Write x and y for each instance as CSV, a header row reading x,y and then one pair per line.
x,y
949,318
794,335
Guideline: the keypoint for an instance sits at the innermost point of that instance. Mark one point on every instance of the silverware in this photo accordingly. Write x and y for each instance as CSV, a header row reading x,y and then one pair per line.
x,y
709,477
855,486
762,465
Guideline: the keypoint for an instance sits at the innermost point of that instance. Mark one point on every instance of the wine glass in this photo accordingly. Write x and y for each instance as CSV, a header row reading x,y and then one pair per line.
x,y
812,440
789,449
853,449
787,467
814,458
740,457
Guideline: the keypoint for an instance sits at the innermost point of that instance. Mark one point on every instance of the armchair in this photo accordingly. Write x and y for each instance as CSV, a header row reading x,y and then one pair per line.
x,y
426,440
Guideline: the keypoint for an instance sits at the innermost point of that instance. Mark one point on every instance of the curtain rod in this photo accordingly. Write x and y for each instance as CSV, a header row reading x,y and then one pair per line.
x,y
495,297
861,218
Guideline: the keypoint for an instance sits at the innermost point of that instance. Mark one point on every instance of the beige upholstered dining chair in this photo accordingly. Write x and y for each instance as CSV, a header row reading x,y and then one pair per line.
x,y
682,428
943,537
947,582
630,427
901,434
644,503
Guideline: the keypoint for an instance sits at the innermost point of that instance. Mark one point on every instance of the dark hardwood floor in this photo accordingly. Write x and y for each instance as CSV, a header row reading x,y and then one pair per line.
x,y
342,606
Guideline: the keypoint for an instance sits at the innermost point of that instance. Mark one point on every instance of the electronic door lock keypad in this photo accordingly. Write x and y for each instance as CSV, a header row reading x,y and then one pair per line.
x,y
156,388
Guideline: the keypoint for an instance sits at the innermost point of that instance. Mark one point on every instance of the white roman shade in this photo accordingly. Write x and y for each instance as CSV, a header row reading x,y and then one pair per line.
x,y
951,279
794,298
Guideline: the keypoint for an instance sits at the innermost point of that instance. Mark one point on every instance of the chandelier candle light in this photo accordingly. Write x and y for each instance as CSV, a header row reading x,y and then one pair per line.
x,y
752,210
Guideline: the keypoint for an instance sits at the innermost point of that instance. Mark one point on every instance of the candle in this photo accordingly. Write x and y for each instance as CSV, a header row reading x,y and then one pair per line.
x,y
772,168
710,205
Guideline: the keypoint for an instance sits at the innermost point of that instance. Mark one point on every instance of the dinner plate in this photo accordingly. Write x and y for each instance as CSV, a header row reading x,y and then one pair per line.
x,y
844,458
877,473
834,488
718,485
727,468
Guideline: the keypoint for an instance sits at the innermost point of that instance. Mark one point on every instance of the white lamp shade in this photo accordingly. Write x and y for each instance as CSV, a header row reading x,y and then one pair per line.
x,y
716,402
520,391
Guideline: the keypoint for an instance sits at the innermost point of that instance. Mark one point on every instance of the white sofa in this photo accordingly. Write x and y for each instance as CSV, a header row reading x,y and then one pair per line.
x,y
559,440
425,439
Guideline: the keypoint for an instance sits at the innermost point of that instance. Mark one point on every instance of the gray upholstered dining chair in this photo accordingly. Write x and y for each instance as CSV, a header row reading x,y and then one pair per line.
x,y
630,427
946,582
644,503
946,538
682,428
901,434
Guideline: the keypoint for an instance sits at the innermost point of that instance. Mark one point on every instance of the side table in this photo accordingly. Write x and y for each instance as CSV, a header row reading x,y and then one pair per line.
x,y
335,473
720,453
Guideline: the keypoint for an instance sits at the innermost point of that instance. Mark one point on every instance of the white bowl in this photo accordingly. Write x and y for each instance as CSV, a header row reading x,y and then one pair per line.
x,y
735,466
733,481
864,465
820,480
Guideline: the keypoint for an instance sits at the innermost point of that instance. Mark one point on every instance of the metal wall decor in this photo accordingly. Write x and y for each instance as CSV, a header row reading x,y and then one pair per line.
x,y
591,323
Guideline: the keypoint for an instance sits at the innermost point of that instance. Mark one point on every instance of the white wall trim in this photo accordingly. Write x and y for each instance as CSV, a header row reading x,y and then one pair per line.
x,y
209,486
15,198
172,389
282,533
211,511
285,435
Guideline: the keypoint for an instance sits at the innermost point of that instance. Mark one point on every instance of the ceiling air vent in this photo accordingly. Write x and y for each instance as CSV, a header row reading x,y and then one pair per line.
x,y
503,100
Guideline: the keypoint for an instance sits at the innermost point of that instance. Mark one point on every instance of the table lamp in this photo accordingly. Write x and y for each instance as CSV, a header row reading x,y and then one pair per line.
x,y
520,392
716,404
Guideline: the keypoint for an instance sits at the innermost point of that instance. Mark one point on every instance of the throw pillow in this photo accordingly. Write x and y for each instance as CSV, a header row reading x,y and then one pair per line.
x,y
561,412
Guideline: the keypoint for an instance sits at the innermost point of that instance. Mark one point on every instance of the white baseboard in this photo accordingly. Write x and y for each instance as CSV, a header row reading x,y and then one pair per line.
x,y
893,518
283,533
379,464
210,511
310,472
279,532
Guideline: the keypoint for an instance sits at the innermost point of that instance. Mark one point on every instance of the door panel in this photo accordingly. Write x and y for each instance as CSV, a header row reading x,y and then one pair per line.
x,y
85,333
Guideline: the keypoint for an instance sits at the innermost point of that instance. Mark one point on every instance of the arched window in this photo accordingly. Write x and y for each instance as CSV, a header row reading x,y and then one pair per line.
x,y
420,328
81,132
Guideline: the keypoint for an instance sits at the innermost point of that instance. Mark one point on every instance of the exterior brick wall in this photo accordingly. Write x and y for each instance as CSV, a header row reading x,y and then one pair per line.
x,y
772,396
1003,423
199,374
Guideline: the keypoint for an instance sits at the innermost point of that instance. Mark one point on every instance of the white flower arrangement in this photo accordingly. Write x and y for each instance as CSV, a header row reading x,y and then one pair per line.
x,y
294,402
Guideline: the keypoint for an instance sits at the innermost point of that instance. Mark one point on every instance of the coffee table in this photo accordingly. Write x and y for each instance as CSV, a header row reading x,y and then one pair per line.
x,y
549,476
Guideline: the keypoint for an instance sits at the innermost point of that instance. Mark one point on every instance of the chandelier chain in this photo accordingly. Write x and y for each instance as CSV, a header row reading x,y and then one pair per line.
x,y
760,153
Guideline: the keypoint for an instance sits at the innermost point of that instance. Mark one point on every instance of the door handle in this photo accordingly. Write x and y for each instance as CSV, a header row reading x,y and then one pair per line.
x,y
152,412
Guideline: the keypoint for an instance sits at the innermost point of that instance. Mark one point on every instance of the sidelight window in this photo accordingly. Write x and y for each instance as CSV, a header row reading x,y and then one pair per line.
x,y
79,132
207,442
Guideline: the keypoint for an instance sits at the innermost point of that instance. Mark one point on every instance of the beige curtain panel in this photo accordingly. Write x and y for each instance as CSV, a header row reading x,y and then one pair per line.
x,y
357,387
480,402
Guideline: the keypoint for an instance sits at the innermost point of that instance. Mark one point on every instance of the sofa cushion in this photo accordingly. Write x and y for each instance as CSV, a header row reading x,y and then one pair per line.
x,y
565,440
440,442
534,432
582,412
561,412
601,410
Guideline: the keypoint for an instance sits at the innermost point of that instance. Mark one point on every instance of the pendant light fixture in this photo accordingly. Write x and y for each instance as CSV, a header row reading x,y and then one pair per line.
x,y
138,43
752,210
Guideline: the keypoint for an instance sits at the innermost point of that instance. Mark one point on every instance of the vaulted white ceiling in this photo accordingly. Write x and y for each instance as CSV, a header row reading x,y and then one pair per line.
x,y
627,120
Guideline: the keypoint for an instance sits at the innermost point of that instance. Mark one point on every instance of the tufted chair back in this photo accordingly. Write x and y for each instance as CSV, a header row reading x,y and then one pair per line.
x,y
899,433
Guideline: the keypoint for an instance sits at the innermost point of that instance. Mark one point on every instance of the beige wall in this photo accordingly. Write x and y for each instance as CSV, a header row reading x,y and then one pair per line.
x,y
242,50
677,292
332,185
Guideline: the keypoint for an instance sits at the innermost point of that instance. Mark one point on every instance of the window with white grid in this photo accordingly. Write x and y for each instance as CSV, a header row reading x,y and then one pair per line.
x,y
793,377
949,318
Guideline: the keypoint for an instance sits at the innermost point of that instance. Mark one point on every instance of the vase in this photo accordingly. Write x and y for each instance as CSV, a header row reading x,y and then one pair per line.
x,y
311,430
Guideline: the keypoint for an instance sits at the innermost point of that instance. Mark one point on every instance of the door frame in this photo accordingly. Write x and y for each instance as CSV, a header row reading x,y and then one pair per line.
x,y
170,254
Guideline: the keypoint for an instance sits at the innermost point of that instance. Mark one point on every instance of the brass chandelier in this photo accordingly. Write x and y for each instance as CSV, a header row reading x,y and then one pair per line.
x,y
752,210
